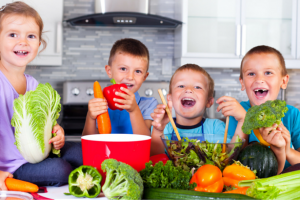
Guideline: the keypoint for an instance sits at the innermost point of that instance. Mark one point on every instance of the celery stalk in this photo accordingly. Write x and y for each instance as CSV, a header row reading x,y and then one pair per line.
x,y
283,186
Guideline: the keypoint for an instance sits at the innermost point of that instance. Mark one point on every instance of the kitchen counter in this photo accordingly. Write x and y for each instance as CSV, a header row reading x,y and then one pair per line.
x,y
58,193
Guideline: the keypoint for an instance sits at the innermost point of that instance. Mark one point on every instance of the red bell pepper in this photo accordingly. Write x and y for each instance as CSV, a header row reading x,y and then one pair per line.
x,y
110,93
159,157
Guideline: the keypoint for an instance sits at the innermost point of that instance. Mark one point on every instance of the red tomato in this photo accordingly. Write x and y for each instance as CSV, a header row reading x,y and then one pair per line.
x,y
159,157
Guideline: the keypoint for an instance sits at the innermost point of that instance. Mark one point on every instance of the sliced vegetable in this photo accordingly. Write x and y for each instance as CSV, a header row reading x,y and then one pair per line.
x,y
279,187
159,157
110,93
84,181
208,179
166,193
103,120
22,186
236,172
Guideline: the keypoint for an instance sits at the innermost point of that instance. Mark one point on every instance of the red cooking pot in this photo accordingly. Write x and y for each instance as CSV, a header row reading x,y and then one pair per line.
x,y
131,149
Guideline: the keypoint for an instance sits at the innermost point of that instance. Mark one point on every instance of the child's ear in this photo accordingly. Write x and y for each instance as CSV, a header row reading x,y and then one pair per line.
x,y
242,83
210,102
108,70
285,81
147,74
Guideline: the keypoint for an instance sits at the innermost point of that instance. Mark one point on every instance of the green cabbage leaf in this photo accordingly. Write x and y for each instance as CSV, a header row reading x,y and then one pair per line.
x,y
35,114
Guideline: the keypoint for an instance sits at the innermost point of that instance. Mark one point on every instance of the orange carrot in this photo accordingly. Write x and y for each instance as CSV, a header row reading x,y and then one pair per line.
x,y
103,120
241,190
18,185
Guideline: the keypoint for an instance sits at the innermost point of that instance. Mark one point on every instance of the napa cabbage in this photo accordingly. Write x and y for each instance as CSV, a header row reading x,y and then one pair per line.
x,y
35,114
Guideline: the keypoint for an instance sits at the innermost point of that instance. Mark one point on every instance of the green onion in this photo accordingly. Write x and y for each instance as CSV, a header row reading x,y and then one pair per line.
x,y
279,187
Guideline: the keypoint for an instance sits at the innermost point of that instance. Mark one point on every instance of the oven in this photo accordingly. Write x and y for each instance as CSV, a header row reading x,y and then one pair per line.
x,y
76,95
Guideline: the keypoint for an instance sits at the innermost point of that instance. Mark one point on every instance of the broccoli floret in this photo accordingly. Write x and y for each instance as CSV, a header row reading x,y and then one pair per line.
x,y
264,115
122,181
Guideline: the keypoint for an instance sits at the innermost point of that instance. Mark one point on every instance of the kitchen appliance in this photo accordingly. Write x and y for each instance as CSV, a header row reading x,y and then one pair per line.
x,y
123,13
133,150
76,95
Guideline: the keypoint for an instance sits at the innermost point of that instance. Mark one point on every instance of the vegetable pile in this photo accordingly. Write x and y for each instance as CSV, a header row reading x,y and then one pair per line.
x,y
122,181
166,176
264,115
189,154
35,114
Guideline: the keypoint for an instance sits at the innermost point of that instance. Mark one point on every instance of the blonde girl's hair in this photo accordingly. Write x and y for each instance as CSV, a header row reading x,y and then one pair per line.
x,y
20,8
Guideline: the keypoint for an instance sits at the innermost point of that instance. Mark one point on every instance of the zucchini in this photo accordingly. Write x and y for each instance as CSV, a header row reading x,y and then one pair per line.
x,y
166,193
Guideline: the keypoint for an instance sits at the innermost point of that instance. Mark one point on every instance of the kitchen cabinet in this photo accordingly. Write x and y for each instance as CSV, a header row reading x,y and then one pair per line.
x,y
51,13
218,33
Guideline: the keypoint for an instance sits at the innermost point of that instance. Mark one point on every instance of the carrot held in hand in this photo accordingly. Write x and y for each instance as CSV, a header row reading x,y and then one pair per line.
x,y
18,185
103,120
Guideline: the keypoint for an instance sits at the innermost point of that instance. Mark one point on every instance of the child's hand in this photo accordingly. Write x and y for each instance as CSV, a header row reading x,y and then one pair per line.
x,y
96,106
59,140
286,136
128,101
273,136
160,117
3,176
231,107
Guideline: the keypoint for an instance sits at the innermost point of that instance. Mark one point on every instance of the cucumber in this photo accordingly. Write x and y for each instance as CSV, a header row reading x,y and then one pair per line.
x,y
165,193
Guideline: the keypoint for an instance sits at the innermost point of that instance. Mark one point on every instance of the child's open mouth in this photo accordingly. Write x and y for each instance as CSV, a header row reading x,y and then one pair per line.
x,y
188,102
21,53
129,86
261,92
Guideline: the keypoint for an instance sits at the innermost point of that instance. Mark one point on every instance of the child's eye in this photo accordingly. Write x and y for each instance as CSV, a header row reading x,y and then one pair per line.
x,y
198,87
123,68
138,71
268,73
181,86
251,74
32,36
13,35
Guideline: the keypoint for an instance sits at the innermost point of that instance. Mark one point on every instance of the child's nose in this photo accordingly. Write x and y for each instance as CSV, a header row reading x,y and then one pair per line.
x,y
260,79
188,90
130,75
23,42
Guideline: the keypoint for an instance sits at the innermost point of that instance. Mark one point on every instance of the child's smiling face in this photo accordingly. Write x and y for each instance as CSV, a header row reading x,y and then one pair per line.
x,y
262,77
19,40
189,94
128,69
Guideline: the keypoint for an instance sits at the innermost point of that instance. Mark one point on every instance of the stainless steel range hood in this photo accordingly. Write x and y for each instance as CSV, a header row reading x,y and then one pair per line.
x,y
123,13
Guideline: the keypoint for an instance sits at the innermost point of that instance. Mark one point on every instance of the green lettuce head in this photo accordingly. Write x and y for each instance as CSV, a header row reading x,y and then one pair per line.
x,y
35,114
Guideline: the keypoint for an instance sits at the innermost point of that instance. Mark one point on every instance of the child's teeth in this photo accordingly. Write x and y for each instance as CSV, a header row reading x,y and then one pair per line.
x,y
188,99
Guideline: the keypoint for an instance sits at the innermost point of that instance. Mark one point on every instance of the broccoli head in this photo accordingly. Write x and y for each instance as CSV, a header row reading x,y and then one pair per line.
x,y
264,115
122,181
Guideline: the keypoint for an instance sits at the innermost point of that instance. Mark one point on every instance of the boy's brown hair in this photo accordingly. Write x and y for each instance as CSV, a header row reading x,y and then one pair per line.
x,y
266,50
22,9
195,68
130,46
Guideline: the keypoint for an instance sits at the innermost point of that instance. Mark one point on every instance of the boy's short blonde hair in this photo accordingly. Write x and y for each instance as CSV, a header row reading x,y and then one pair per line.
x,y
195,68
130,46
266,50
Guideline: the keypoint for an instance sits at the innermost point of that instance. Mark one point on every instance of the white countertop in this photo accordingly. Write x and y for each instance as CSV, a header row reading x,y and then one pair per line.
x,y
58,193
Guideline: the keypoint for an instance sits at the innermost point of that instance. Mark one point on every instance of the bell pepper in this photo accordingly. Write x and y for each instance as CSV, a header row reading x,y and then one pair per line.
x,y
236,172
159,157
110,93
208,179
84,181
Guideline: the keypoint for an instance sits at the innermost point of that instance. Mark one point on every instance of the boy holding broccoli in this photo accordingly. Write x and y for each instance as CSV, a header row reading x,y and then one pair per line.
x,y
262,75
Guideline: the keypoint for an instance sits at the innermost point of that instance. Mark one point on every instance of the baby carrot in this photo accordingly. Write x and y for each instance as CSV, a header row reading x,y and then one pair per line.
x,y
18,185
103,120
241,190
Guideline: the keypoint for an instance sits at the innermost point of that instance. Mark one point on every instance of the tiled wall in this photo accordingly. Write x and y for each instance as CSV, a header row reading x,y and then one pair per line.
x,y
86,51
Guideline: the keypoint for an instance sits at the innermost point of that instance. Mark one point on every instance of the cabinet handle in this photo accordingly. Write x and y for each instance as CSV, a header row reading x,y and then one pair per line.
x,y
238,40
244,39
58,37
